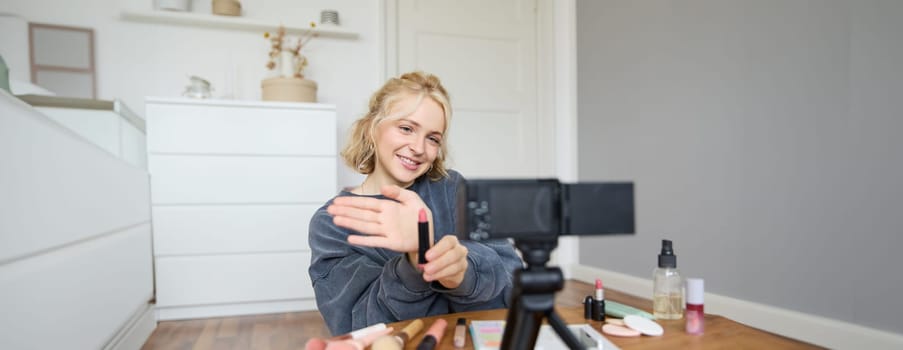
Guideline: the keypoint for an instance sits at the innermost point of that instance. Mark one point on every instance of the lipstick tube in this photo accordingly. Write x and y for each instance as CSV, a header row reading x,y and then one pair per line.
x,y
423,232
598,308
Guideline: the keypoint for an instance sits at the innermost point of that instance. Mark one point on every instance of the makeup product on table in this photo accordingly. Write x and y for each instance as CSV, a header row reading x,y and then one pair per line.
x,y
363,332
397,341
599,302
410,331
695,310
346,342
644,325
486,334
433,335
460,333
614,321
667,286
618,310
360,333
588,307
358,343
423,231
619,331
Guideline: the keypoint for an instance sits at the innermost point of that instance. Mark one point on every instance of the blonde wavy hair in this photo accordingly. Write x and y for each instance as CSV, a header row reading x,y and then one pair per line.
x,y
359,152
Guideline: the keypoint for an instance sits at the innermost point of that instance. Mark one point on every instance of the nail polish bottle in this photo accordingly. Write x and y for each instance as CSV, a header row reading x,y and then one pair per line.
x,y
695,309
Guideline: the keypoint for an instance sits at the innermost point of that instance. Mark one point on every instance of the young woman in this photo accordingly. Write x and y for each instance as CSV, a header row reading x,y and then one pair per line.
x,y
364,241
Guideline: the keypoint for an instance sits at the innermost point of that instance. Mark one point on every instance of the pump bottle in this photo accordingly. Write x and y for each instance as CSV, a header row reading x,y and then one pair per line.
x,y
667,294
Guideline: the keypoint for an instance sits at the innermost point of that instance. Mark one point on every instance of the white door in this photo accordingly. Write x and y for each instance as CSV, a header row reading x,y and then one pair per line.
x,y
485,54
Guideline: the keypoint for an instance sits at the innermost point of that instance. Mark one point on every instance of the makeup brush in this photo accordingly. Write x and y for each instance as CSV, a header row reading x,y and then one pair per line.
x,y
397,341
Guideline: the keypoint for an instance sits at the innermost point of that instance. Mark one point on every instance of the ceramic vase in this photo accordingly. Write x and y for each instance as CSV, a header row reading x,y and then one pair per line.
x,y
286,64
289,90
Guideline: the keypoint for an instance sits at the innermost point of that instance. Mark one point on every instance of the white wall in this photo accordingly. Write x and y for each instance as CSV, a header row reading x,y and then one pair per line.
x,y
13,37
763,139
136,59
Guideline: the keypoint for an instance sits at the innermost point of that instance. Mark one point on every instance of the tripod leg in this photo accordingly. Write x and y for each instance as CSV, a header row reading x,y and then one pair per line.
x,y
533,299
522,325
563,332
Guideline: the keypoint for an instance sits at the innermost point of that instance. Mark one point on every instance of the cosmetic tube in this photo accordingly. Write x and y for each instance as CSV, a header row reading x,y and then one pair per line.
x,y
695,312
423,232
598,308
588,307
363,332
460,333
433,335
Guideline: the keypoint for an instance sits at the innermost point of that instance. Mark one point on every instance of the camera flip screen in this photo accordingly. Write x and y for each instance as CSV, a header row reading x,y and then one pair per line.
x,y
533,214
546,208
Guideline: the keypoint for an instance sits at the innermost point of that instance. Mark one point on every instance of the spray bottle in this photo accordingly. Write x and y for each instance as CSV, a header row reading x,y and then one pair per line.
x,y
667,293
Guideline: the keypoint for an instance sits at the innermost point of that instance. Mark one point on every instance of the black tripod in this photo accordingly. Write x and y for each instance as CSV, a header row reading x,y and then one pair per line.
x,y
533,298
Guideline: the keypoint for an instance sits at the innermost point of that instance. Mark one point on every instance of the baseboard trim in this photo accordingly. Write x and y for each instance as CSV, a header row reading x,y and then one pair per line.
x,y
236,309
135,332
817,330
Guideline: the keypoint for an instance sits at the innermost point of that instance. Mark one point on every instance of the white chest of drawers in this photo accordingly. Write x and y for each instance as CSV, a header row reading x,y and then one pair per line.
x,y
233,186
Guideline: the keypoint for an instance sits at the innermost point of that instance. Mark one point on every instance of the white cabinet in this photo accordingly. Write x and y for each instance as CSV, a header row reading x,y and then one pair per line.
x,y
233,187
109,124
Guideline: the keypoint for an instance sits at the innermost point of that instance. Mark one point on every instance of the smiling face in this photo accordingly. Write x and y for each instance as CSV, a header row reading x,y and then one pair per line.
x,y
406,146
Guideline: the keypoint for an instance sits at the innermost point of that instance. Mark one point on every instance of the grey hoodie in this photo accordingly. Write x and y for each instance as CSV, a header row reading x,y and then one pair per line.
x,y
358,286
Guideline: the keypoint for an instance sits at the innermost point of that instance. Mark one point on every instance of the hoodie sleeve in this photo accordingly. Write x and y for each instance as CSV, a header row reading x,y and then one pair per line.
x,y
359,286
488,280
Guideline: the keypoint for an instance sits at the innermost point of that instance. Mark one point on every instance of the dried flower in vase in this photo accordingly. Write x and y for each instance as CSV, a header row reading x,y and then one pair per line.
x,y
288,59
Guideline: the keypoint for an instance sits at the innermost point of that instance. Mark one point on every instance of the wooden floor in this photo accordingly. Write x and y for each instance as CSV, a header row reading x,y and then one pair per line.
x,y
275,331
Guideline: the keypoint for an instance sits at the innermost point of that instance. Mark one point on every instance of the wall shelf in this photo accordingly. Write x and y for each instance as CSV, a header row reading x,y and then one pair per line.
x,y
227,22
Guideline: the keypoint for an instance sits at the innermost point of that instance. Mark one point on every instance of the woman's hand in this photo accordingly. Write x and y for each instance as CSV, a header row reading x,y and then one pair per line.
x,y
339,343
446,262
393,225
384,223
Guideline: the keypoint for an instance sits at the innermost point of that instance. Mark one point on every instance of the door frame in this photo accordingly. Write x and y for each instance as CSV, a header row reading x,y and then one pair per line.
x,y
556,92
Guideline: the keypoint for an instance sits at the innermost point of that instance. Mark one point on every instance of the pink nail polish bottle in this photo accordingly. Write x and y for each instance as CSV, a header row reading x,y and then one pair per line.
x,y
695,313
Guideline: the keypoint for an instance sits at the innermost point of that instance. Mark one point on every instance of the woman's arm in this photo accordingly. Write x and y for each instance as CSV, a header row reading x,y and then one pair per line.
x,y
359,286
488,280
